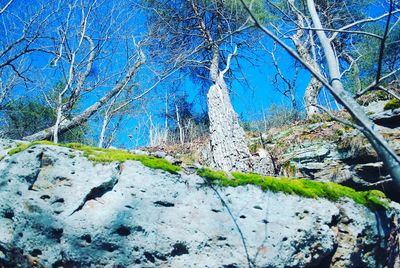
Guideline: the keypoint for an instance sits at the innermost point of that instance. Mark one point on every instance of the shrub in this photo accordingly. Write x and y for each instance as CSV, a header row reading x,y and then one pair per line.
x,y
392,104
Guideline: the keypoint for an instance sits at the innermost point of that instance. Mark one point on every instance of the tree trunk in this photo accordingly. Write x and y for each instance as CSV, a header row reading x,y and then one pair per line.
x,y
180,126
103,130
314,86
228,142
311,96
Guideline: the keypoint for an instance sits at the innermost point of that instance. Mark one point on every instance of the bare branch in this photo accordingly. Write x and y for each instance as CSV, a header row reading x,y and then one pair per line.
x,y
375,83
364,21
382,45
6,6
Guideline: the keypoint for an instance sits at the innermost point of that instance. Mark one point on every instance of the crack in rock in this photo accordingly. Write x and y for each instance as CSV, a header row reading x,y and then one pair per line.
x,y
34,176
102,189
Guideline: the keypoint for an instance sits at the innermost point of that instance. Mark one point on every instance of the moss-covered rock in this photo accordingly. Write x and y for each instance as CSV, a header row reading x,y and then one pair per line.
x,y
301,187
101,155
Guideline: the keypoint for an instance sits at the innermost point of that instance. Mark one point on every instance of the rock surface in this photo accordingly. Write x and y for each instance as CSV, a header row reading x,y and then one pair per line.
x,y
57,209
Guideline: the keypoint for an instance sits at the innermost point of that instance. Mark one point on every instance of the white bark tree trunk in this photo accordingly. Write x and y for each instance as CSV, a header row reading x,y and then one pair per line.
x,y
103,130
180,126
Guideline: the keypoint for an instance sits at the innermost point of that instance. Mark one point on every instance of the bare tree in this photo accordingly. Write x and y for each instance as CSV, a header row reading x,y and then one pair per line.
x,y
23,34
205,37
289,85
363,123
86,36
88,112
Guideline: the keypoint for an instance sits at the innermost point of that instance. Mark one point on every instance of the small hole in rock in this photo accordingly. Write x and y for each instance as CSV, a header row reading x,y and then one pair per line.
x,y
109,247
59,200
56,233
123,231
139,229
45,197
179,249
87,238
8,213
36,252
149,257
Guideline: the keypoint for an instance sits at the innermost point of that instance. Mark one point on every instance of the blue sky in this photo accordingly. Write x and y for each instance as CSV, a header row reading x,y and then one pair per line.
x,y
249,100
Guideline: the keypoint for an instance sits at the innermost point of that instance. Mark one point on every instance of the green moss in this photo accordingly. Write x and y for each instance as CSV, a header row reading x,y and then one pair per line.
x,y
101,155
392,104
319,118
301,187
20,147
211,174
2,157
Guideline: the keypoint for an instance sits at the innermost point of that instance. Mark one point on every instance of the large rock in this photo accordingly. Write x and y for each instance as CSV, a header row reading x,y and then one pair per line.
x,y
57,209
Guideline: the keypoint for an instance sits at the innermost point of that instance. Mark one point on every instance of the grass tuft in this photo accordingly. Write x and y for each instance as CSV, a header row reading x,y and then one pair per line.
x,y
101,155
300,187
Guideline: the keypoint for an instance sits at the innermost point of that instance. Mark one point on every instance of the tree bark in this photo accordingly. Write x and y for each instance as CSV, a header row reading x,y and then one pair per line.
x,y
311,95
227,138
180,126
228,143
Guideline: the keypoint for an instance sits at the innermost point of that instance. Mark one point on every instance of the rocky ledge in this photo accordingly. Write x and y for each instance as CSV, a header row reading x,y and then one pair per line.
x,y
58,209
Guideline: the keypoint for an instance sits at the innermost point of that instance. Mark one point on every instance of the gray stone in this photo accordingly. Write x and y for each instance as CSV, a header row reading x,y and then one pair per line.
x,y
389,118
56,210
159,154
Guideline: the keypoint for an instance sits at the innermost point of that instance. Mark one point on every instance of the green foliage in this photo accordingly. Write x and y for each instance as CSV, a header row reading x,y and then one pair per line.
x,y
392,104
24,118
258,8
101,155
301,187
